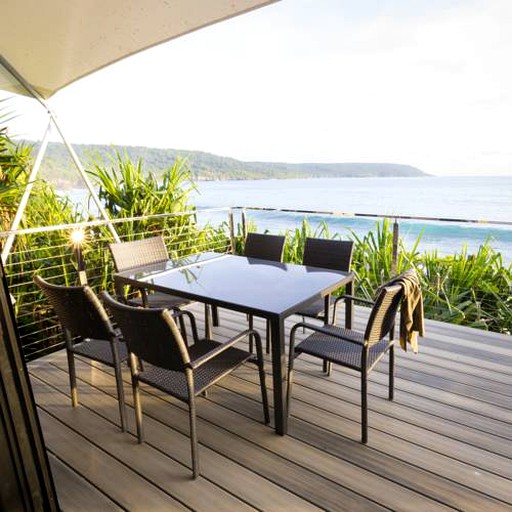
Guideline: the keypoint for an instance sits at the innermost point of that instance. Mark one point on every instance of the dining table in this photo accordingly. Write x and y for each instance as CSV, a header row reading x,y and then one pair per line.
x,y
262,288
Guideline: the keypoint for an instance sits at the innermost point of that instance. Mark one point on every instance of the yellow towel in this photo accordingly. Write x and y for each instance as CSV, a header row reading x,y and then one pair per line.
x,y
411,312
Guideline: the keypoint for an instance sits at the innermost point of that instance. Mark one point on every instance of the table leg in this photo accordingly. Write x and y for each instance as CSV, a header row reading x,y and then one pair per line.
x,y
349,310
279,372
207,322
327,304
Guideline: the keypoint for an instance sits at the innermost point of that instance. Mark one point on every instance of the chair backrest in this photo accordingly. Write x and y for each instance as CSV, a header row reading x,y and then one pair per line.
x,y
331,254
265,247
79,310
150,333
383,314
135,253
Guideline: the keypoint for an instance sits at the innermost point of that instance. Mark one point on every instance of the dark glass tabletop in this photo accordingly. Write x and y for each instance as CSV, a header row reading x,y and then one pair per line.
x,y
248,284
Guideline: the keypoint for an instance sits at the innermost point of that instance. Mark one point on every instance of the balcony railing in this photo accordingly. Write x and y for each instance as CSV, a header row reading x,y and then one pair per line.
x,y
49,251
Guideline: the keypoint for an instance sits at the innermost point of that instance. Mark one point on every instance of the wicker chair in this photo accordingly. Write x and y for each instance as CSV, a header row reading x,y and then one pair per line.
x,y
330,254
128,255
88,332
135,253
333,255
353,349
159,357
265,247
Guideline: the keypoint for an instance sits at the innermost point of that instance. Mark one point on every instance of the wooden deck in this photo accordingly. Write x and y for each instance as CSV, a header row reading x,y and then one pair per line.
x,y
445,443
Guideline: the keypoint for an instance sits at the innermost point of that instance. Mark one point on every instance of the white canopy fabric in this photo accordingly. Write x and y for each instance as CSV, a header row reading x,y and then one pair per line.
x,y
52,43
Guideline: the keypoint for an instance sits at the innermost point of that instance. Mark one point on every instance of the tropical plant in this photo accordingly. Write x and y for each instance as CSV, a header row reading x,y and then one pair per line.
x,y
466,289
296,239
129,192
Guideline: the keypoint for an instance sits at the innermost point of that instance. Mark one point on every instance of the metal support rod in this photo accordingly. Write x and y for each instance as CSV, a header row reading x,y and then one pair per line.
x,y
80,265
84,177
52,118
26,194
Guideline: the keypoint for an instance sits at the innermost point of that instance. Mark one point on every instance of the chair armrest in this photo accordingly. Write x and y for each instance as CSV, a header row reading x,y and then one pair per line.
x,y
346,298
196,363
323,330
354,298
177,313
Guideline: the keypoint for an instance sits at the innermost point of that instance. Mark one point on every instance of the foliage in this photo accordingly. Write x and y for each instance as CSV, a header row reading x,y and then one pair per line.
x,y
127,191
14,160
469,289
465,289
295,239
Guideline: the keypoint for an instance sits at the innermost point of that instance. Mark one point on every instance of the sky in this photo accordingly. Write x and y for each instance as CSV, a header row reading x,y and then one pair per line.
x,y
426,83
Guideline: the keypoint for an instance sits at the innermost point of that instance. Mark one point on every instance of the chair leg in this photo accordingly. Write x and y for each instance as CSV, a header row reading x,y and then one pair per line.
x,y
119,384
120,396
263,384
251,336
207,322
193,436
327,367
391,390
72,378
364,406
215,316
291,360
183,329
138,409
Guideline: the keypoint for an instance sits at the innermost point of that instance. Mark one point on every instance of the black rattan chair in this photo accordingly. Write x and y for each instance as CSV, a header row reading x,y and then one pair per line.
x,y
135,253
264,247
88,332
128,255
353,349
330,254
159,357
333,255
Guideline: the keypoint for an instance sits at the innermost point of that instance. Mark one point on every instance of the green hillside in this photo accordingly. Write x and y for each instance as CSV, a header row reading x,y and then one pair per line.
x,y
58,167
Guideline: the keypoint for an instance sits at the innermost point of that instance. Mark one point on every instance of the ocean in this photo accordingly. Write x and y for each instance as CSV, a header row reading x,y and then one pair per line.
x,y
481,198
478,198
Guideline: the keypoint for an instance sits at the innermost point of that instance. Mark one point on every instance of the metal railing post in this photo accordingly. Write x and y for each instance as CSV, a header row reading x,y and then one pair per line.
x,y
232,230
396,234
244,224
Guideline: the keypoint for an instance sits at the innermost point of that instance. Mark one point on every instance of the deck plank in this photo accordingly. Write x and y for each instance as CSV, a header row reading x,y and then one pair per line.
x,y
234,478
76,493
442,444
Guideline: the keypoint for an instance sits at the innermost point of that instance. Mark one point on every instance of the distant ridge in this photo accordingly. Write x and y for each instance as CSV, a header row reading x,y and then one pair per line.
x,y
58,168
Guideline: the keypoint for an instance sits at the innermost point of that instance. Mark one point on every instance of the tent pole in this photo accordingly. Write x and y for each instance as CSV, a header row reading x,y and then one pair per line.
x,y
26,193
74,156
86,180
